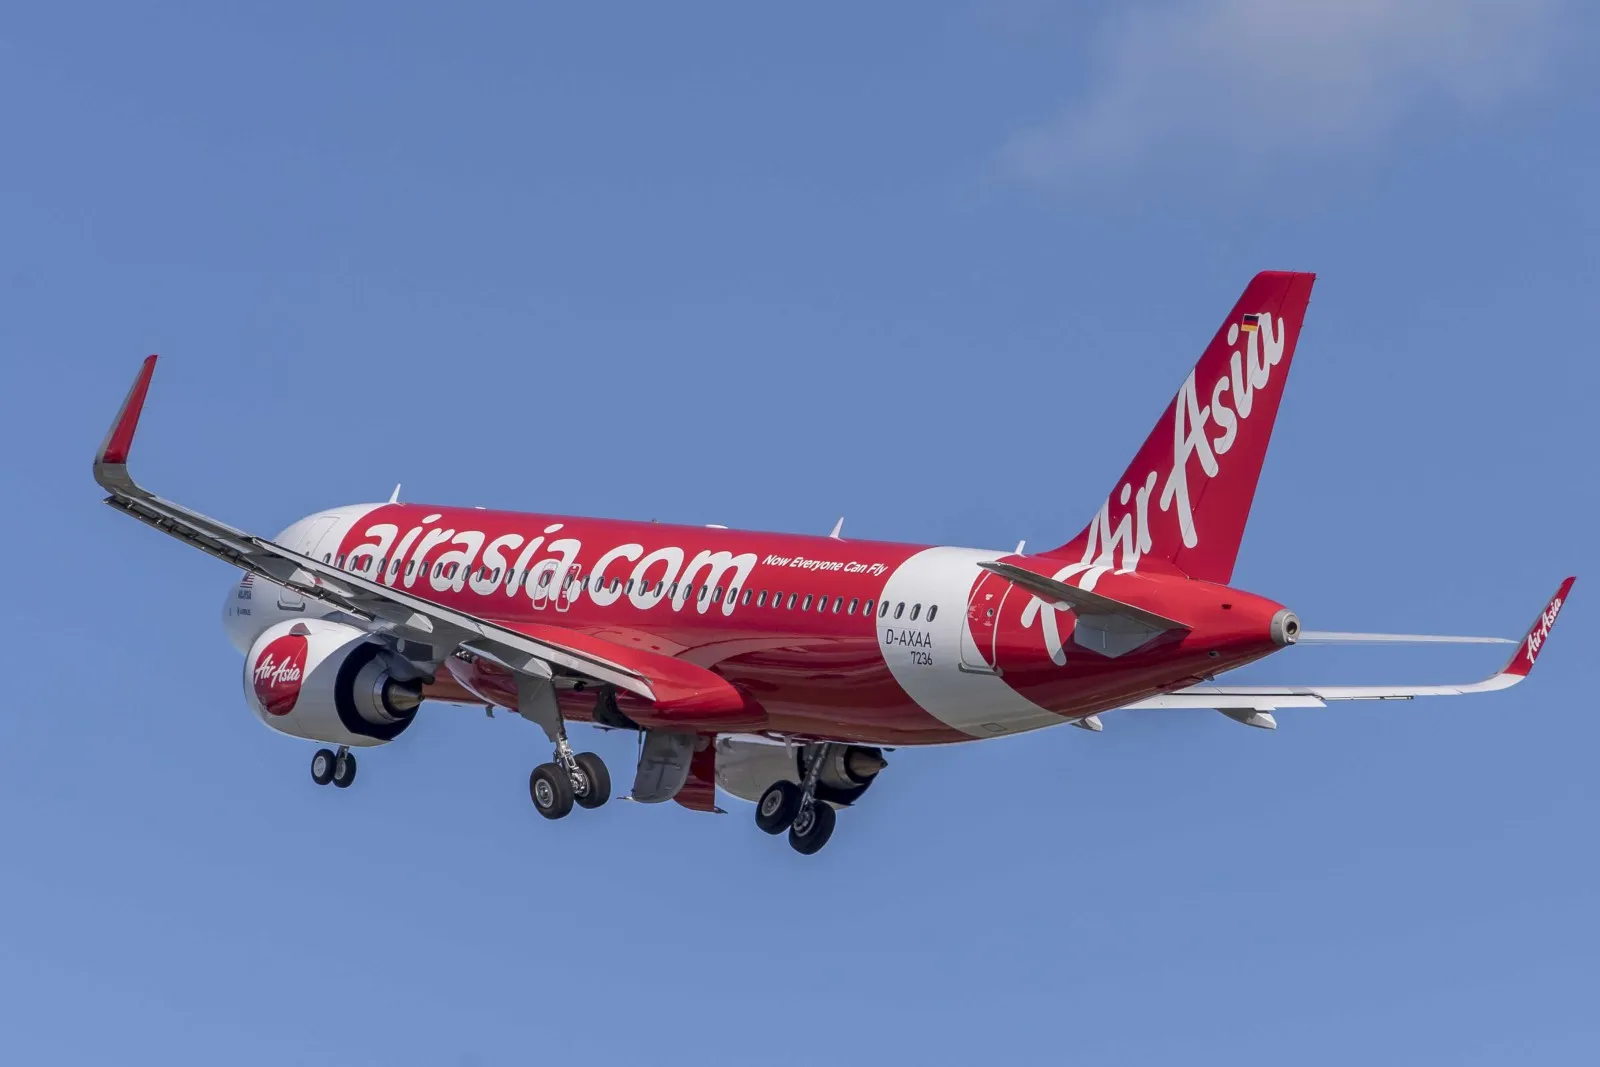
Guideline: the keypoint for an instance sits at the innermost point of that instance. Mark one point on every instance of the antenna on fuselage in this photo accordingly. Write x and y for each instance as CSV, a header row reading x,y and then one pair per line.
x,y
1020,546
836,528
394,497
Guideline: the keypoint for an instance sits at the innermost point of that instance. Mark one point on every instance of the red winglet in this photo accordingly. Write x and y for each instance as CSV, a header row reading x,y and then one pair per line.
x,y
1528,652
119,440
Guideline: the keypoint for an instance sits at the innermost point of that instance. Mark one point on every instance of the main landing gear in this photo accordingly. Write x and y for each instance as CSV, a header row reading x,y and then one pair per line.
x,y
786,806
569,778
338,768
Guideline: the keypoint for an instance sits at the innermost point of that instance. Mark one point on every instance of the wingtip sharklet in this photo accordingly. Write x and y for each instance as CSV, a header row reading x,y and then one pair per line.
x,y
119,439
1527,653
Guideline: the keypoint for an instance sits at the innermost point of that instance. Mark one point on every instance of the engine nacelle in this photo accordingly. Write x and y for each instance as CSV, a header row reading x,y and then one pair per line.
x,y
327,681
747,768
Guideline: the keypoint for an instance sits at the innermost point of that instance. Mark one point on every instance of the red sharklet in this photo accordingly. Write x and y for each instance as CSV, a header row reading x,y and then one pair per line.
x,y
1527,653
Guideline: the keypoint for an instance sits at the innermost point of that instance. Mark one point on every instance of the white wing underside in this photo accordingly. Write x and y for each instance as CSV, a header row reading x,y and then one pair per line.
x,y
1273,697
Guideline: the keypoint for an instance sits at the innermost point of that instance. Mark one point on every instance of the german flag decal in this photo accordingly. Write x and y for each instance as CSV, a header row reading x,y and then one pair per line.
x,y
1250,323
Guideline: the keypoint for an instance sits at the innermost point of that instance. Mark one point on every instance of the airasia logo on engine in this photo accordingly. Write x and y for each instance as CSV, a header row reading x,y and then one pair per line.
x,y
278,673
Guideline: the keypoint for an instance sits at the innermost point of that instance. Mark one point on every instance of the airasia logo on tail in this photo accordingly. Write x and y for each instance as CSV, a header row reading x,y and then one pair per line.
x,y
278,673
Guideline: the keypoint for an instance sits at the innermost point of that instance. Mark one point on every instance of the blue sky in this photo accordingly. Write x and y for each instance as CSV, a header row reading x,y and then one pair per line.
x,y
936,267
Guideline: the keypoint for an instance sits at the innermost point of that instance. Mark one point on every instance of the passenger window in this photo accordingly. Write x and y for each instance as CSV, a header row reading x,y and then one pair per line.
x,y
672,593
716,595
341,560
616,583
746,598
838,602
866,609
805,605
899,609
933,609
629,587
855,602
544,579
761,599
916,609
822,604
704,589
792,598
326,556
733,592
883,609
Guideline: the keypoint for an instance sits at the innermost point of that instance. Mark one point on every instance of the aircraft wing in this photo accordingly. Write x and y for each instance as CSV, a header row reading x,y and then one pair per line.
x,y
397,611
1268,698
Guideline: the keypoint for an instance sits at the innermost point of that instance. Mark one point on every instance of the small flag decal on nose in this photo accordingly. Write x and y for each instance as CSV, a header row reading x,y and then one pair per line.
x,y
1250,323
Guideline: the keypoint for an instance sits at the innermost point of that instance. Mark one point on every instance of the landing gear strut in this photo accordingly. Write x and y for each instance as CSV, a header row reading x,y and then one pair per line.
x,y
570,777
784,805
338,768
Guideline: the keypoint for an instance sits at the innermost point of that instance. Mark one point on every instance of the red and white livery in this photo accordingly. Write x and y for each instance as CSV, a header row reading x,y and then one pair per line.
x,y
780,666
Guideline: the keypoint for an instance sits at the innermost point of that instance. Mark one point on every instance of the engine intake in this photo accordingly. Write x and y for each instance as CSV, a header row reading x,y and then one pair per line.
x,y
329,682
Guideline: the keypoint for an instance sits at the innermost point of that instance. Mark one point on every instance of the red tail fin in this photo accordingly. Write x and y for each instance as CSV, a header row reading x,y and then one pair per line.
x,y
1185,497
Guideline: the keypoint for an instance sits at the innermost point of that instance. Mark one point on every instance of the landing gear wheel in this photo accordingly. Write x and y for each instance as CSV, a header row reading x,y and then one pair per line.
x,y
551,790
322,766
777,807
596,788
344,770
812,828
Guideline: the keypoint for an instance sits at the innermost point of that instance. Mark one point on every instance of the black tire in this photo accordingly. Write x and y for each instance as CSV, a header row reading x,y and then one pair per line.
x,y
597,788
348,766
777,806
812,830
551,791
322,766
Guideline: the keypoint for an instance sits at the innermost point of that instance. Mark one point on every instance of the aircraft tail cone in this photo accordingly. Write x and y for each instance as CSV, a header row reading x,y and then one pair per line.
x,y
863,764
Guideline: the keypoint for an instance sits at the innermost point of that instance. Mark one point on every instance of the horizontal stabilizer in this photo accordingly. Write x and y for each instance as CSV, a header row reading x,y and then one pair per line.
x,y
1334,637
1071,598
1110,627
1262,698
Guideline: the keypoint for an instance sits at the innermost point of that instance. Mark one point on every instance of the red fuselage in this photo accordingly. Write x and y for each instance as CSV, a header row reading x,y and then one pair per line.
x,y
866,641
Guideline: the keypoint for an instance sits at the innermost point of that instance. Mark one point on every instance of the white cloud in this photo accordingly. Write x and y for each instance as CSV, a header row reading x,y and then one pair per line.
x,y
1249,78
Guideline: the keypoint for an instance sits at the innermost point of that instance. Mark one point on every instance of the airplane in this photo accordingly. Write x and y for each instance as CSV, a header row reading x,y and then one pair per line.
x,y
782,667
